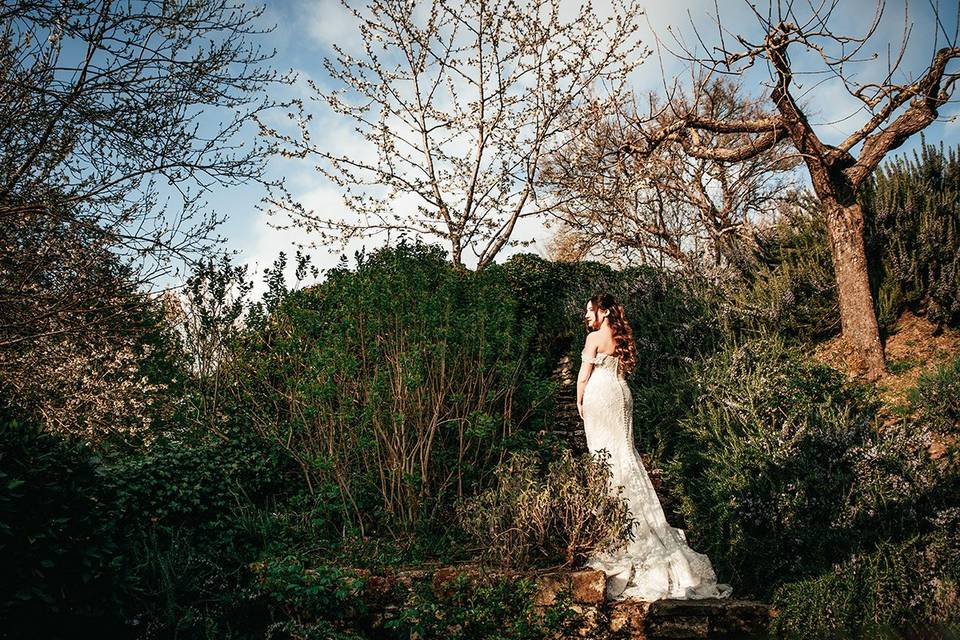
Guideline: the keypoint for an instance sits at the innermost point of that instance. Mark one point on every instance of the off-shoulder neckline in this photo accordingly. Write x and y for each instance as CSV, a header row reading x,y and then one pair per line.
x,y
600,353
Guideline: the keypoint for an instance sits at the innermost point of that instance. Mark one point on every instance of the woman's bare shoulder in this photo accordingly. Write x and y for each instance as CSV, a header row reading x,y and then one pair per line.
x,y
605,342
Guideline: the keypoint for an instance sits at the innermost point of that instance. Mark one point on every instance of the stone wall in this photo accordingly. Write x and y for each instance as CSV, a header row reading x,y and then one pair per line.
x,y
600,619
709,618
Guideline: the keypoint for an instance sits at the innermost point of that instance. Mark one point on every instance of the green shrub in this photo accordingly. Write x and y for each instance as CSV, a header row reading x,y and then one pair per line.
x,y
763,466
799,494
57,537
196,485
552,296
907,587
186,589
936,398
311,602
185,507
468,609
788,287
397,386
912,232
675,319
673,316
558,515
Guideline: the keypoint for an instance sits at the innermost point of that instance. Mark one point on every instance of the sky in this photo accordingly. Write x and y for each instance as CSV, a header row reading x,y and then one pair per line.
x,y
306,31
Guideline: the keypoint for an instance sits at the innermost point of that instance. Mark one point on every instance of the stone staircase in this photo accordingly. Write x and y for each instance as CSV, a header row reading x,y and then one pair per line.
x,y
566,420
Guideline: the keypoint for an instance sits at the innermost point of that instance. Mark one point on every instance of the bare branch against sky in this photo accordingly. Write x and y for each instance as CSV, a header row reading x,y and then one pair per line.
x,y
457,103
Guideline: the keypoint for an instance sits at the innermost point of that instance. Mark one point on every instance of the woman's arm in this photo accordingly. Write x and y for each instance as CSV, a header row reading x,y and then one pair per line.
x,y
586,368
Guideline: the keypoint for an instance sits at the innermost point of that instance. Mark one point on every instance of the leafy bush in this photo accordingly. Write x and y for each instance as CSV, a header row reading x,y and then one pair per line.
x,y
936,399
897,588
397,386
788,287
672,315
476,610
560,515
801,495
317,602
763,467
183,506
184,588
552,296
675,319
57,536
912,211
196,485
322,601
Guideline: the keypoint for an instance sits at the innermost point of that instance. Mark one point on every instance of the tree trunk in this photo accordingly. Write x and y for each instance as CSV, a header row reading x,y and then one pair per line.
x,y
857,315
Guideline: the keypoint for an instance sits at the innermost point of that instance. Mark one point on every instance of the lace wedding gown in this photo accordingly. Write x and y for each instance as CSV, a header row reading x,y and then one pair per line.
x,y
656,563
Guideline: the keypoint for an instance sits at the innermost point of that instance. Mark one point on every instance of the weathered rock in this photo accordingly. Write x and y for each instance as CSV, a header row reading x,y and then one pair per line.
x,y
627,618
679,627
587,586
708,618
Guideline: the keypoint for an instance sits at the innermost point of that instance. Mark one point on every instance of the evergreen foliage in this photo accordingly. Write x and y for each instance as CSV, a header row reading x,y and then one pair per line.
x,y
912,208
396,387
902,571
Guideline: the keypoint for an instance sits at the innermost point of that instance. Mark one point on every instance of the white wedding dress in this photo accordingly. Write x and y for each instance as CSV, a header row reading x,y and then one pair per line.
x,y
656,563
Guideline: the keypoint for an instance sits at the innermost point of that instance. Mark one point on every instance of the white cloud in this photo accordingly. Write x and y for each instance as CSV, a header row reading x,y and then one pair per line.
x,y
328,22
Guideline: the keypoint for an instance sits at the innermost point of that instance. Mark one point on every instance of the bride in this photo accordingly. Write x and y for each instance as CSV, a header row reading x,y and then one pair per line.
x,y
656,563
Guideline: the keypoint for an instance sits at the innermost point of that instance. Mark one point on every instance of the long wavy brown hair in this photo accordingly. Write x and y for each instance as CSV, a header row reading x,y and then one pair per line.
x,y
626,349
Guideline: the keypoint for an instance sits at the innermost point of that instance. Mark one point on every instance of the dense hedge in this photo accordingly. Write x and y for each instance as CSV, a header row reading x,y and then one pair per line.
x,y
395,387
673,315
675,319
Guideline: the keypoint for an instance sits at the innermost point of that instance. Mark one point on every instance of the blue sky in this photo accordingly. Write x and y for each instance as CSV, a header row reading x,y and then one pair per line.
x,y
306,29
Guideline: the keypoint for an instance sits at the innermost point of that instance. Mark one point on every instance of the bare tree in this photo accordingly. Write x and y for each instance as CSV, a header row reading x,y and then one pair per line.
x,y
459,101
892,110
666,207
103,104
115,119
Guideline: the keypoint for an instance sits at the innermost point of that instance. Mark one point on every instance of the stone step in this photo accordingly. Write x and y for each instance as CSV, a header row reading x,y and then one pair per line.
x,y
710,618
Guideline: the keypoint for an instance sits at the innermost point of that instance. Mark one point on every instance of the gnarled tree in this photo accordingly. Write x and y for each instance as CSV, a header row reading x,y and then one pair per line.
x,y
895,110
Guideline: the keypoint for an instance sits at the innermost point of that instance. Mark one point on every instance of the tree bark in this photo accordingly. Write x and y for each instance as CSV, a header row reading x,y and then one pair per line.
x,y
858,318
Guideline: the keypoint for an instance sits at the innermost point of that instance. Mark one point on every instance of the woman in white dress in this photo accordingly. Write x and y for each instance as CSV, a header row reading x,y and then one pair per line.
x,y
656,563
